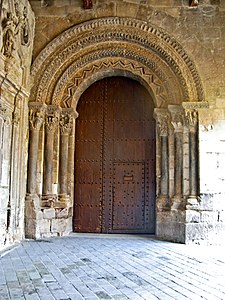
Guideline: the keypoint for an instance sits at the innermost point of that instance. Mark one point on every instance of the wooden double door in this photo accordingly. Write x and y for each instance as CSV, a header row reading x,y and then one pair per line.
x,y
115,159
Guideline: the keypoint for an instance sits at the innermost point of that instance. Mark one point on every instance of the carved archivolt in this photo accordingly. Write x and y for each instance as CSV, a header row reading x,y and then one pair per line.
x,y
80,56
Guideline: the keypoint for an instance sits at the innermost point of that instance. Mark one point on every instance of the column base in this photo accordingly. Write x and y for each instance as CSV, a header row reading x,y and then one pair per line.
x,y
46,217
48,200
163,203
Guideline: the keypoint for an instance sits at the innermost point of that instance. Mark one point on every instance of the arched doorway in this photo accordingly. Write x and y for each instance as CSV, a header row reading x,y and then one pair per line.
x,y
115,159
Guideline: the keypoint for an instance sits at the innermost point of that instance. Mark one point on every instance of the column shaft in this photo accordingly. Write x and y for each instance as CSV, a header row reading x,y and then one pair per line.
x,y
164,166
178,163
32,164
48,159
63,163
193,164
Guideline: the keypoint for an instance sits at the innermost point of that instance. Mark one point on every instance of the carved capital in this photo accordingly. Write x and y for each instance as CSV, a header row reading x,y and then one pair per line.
x,y
2,110
65,123
162,118
177,117
36,115
16,117
52,118
191,119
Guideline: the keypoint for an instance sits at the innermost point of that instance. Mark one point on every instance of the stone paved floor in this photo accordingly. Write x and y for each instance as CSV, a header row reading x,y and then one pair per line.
x,y
85,266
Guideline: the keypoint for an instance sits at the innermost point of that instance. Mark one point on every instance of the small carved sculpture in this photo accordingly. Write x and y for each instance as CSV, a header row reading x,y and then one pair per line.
x,y
8,35
87,4
25,30
194,3
44,3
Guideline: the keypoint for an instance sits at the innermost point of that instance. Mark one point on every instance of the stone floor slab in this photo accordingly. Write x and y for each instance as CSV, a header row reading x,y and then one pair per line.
x,y
93,266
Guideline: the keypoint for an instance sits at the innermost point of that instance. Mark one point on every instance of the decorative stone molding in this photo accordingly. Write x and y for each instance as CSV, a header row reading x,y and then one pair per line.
x,y
145,41
70,87
195,105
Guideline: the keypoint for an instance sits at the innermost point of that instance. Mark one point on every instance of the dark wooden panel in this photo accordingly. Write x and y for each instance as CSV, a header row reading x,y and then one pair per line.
x,y
88,162
115,158
128,197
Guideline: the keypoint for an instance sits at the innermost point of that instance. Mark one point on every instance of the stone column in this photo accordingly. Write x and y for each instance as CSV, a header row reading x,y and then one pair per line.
x,y
192,122
36,118
51,123
177,121
65,126
162,117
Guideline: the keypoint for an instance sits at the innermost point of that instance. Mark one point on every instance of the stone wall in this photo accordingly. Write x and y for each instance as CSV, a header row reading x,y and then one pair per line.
x,y
16,41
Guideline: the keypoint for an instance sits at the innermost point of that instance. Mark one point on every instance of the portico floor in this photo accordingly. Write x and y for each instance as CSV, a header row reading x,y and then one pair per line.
x,y
90,266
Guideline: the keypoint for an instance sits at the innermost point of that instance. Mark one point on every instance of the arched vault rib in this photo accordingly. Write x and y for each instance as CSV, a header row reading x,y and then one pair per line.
x,y
156,50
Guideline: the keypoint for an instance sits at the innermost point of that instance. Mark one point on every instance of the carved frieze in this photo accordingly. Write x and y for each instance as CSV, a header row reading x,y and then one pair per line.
x,y
157,84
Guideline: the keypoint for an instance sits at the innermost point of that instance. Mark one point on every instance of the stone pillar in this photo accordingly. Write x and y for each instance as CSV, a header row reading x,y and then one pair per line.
x,y
191,119
51,123
192,123
36,118
162,117
65,126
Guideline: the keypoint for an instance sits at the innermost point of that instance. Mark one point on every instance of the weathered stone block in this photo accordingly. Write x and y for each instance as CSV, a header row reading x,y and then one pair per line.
x,y
192,216
59,225
49,213
44,226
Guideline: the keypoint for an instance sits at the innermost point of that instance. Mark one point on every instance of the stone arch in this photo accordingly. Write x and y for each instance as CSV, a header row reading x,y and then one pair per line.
x,y
73,61
107,43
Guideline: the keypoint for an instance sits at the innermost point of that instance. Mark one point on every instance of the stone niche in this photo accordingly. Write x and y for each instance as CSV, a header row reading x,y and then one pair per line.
x,y
16,42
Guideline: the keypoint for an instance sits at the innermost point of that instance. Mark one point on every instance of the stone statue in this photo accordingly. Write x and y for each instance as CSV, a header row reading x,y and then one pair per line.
x,y
8,35
25,30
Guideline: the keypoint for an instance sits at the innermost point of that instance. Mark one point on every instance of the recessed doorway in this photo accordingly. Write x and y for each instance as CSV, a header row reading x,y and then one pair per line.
x,y
115,159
